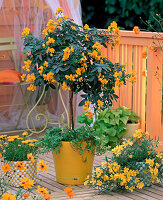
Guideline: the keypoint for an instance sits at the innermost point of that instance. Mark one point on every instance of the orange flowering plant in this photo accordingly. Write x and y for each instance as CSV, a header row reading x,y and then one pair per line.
x,y
71,56
18,148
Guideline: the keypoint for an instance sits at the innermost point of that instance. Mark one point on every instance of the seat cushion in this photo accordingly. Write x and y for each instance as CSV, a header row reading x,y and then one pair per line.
x,y
9,77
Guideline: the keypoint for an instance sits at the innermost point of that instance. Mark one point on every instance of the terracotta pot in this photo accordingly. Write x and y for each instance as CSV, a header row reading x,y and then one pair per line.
x,y
14,175
71,167
130,129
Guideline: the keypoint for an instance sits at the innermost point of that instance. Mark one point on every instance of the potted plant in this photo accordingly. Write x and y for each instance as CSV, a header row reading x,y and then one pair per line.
x,y
70,57
73,152
111,125
133,124
134,164
19,153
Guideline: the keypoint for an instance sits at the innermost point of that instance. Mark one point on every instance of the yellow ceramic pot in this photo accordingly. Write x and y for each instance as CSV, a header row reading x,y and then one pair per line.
x,y
131,128
71,167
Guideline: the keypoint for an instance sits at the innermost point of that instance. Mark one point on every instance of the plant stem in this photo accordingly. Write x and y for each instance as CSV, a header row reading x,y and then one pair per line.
x,y
71,109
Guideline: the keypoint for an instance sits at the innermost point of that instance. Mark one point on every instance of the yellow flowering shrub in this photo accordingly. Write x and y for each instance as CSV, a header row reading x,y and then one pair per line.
x,y
134,164
71,56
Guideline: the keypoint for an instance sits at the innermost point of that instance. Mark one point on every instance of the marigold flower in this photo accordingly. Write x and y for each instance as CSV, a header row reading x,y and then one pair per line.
x,y
3,137
42,166
136,29
6,168
26,196
20,165
8,196
140,185
26,183
31,144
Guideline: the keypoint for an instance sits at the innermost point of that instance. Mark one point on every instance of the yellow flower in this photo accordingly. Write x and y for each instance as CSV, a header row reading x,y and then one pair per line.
x,y
30,78
136,29
6,168
26,183
159,155
31,145
42,190
43,45
46,64
100,104
8,196
99,183
140,185
80,79
11,140
130,156
65,17
150,162
93,181
97,46
60,10
98,172
73,27
86,105
25,32
42,166
89,114
20,165
3,137
78,71
49,76
64,86
86,27
23,77
138,134
50,41
31,87
60,20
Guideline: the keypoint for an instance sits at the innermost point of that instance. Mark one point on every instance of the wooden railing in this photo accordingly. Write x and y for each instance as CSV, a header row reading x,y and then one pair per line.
x,y
145,96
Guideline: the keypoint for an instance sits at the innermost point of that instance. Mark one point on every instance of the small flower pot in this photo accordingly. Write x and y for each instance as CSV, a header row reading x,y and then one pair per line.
x,y
14,175
130,129
71,167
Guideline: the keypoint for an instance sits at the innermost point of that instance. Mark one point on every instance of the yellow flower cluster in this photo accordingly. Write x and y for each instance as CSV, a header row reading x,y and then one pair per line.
x,y
31,88
64,86
49,77
46,64
89,114
67,52
40,70
86,27
100,104
50,41
8,196
86,105
50,27
97,46
138,133
95,55
132,78
71,77
102,80
60,10
23,77
25,32
113,28
117,150
27,64
30,78
50,50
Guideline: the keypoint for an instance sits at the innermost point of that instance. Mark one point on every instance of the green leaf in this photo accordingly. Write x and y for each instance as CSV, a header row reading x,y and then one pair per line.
x,y
111,131
124,119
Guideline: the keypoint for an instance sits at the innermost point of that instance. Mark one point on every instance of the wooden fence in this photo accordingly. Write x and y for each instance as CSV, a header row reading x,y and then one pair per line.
x,y
145,96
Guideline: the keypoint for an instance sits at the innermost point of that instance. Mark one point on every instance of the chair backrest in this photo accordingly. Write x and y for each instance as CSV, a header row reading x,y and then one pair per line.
x,y
7,44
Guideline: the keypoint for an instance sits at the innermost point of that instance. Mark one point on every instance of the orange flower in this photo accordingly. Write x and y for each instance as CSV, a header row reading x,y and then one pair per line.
x,y
26,183
26,196
42,166
20,165
8,196
0,155
136,29
30,157
89,114
6,168
69,191
42,190
100,104
47,196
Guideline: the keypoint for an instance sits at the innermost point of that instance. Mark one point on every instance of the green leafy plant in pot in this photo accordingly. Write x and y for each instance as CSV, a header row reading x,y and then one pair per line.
x,y
110,125
70,57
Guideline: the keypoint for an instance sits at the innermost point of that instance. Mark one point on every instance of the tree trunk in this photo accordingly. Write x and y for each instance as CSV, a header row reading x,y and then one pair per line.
x,y
71,109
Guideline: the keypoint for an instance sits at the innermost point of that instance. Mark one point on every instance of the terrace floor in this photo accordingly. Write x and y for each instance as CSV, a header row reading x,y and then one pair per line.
x,y
48,180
